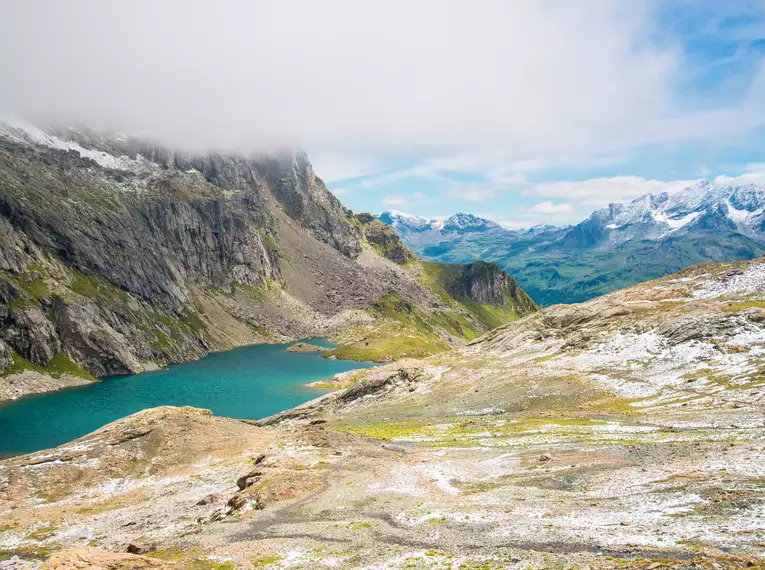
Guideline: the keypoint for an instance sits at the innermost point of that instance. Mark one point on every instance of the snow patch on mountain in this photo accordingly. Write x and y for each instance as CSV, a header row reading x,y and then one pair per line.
x,y
749,283
655,216
23,133
675,223
407,224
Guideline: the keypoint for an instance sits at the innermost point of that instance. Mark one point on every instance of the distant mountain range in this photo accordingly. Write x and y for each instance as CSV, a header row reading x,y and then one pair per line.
x,y
617,246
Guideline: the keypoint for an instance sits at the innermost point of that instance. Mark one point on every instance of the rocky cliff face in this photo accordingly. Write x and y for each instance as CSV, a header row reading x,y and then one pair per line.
x,y
119,256
488,283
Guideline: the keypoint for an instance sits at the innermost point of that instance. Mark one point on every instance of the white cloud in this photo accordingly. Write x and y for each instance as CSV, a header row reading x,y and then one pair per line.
x,y
754,173
335,166
394,200
528,79
402,200
601,191
502,89
549,207
472,192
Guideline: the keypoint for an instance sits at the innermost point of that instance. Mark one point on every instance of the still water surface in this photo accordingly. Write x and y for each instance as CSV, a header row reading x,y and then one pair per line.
x,y
250,382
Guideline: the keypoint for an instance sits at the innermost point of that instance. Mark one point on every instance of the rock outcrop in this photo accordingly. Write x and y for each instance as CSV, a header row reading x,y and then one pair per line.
x,y
306,347
385,240
83,558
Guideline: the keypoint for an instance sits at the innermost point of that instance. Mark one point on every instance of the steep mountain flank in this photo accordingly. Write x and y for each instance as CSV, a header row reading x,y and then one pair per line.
x,y
117,256
471,300
622,433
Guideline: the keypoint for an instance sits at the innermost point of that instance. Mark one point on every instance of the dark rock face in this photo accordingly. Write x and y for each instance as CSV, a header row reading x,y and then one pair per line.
x,y
146,245
488,283
28,331
102,264
307,200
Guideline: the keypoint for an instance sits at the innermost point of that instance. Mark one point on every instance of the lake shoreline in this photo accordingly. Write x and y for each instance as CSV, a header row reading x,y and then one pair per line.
x,y
249,382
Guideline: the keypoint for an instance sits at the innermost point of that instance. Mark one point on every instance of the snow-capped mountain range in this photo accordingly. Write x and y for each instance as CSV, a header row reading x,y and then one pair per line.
x,y
616,246
702,206
424,230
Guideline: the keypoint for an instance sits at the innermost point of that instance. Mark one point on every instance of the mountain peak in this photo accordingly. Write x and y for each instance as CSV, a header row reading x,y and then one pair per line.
x,y
654,216
462,222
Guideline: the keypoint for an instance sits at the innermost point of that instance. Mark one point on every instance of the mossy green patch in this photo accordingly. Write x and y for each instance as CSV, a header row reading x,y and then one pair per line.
x,y
58,366
31,282
269,240
360,525
172,554
736,307
458,431
194,321
385,342
19,304
389,431
62,364
396,308
27,552
614,405
93,287
189,560
265,561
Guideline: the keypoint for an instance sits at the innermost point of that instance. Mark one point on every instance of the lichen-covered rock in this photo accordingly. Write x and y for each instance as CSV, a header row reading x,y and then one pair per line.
x,y
696,326
6,356
83,558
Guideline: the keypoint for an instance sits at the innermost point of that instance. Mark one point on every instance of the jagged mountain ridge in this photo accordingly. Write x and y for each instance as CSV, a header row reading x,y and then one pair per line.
x,y
703,206
615,247
118,256
418,229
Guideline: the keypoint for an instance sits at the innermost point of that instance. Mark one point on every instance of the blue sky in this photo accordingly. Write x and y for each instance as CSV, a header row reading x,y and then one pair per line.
x,y
700,115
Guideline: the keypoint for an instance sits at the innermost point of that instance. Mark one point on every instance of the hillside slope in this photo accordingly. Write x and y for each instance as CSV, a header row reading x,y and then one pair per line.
x,y
118,256
625,432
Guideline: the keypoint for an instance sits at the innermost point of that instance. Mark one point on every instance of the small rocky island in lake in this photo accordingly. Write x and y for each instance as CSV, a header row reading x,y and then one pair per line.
x,y
306,347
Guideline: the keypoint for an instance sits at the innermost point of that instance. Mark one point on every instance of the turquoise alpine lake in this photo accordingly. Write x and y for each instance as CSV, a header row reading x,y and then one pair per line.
x,y
250,382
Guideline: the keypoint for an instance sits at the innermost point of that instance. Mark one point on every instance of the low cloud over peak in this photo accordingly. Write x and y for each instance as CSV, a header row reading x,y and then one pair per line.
x,y
539,107
445,74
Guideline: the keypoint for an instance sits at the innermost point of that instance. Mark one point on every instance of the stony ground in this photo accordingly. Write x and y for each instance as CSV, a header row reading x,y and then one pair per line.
x,y
627,432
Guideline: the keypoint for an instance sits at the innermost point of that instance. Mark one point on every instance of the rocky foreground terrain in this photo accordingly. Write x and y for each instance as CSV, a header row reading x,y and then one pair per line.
x,y
119,256
625,432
